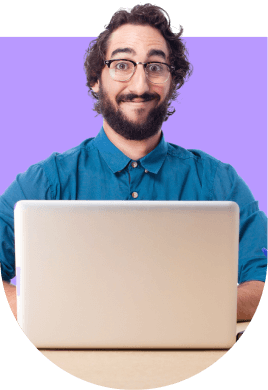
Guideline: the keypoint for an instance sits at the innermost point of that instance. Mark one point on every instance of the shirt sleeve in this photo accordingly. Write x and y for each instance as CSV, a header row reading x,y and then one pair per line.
x,y
32,184
229,186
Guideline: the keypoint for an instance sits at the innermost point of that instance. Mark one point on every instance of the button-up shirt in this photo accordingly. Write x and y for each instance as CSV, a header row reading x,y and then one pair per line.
x,y
98,170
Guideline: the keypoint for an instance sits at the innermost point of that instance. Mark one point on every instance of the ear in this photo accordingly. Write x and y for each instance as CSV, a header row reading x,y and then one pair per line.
x,y
96,87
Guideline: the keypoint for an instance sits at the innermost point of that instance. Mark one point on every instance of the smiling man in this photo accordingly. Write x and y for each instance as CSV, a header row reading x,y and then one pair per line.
x,y
134,70
139,82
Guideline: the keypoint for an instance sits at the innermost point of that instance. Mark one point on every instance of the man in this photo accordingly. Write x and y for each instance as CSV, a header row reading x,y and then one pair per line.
x,y
134,70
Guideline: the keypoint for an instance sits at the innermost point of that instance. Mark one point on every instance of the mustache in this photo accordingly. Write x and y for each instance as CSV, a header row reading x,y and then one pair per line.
x,y
146,97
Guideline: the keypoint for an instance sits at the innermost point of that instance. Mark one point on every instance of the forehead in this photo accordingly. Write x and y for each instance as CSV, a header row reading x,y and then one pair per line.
x,y
142,39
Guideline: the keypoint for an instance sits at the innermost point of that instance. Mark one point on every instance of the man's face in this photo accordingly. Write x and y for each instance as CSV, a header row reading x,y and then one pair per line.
x,y
134,108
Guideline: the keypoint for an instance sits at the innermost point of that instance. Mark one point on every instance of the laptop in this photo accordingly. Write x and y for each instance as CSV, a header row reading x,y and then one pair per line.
x,y
127,274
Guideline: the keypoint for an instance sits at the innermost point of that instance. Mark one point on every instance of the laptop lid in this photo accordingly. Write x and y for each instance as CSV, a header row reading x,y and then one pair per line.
x,y
127,274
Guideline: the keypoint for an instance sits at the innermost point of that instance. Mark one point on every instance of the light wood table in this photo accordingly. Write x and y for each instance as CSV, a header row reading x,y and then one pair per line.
x,y
135,369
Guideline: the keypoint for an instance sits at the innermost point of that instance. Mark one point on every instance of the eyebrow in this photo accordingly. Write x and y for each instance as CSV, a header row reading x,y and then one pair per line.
x,y
152,52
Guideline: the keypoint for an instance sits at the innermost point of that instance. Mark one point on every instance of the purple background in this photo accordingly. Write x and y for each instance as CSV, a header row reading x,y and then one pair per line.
x,y
222,109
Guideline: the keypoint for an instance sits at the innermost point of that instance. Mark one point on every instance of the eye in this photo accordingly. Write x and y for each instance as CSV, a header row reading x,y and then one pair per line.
x,y
155,68
122,65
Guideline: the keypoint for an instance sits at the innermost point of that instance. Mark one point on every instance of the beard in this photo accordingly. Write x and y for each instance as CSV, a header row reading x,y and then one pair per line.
x,y
130,130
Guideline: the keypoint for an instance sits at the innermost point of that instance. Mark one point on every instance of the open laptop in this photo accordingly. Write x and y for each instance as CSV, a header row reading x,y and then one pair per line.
x,y
127,274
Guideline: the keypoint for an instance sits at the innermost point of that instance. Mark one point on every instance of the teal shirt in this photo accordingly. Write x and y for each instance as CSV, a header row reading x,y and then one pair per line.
x,y
98,170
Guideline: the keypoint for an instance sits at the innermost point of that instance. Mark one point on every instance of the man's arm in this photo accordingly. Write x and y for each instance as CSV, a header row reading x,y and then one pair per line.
x,y
248,298
11,295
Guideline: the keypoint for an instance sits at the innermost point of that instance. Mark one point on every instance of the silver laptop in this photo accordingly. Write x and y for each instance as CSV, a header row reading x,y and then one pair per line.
x,y
127,274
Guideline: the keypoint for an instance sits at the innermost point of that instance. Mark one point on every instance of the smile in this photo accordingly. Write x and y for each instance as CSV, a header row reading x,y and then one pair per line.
x,y
139,101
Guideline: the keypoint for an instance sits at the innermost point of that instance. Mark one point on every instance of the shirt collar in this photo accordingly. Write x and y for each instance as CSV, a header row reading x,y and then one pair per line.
x,y
117,160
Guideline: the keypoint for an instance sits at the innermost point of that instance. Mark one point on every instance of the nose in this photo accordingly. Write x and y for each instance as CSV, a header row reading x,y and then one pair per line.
x,y
139,83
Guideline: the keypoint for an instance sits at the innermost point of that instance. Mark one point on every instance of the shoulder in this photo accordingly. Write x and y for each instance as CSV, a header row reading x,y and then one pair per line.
x,y
194,154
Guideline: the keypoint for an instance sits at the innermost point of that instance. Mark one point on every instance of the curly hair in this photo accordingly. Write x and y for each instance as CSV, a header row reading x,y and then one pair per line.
x,y
146,14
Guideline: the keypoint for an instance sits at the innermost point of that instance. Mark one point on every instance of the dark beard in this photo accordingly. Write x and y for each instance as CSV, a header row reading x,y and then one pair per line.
x,y
126,128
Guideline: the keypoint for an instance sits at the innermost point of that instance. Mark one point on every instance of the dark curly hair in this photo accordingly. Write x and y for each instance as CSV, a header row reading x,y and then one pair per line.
x,y
146,14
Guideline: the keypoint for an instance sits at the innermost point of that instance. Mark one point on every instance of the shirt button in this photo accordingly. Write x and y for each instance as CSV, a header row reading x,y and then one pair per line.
x,y
134,164
146,171
134,194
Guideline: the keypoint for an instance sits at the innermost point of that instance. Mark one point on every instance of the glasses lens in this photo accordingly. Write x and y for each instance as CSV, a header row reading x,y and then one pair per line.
x,y
122,70
157,73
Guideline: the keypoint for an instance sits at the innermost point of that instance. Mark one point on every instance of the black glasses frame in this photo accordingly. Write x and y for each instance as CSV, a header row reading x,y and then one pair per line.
x,y
108,63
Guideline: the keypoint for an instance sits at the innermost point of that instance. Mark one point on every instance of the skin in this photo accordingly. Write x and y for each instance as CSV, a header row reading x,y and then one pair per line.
x,y
129,36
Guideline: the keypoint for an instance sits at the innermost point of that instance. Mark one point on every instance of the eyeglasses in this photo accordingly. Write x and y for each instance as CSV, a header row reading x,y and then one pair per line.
x,y
123,70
